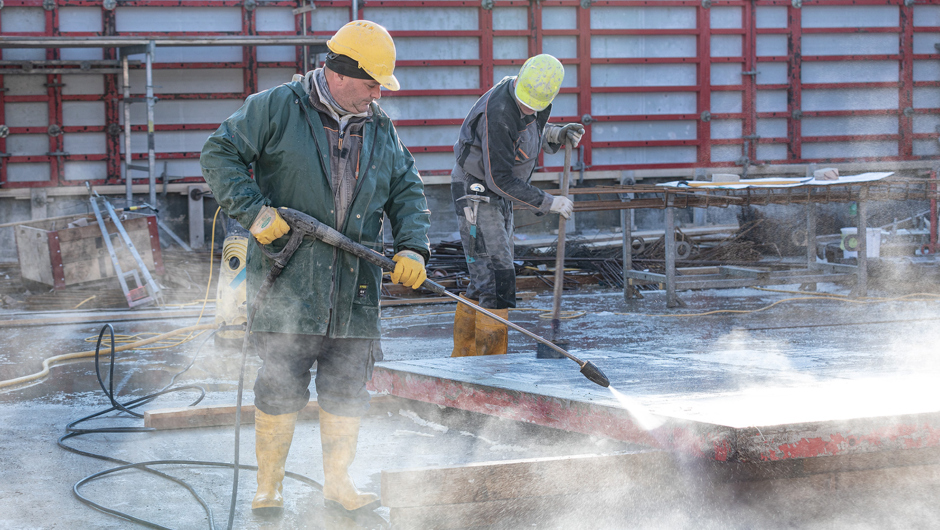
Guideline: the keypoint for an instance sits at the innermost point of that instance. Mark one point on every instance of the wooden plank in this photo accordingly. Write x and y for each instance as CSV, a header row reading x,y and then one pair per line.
x,y
216,416
512,479
32,247
695,271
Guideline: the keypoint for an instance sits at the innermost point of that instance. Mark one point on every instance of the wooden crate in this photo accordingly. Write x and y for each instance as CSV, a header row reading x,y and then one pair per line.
x,y
53,254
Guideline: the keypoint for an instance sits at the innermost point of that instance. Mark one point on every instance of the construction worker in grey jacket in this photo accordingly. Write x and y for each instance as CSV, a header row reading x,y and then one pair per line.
x,y
323,146
496,152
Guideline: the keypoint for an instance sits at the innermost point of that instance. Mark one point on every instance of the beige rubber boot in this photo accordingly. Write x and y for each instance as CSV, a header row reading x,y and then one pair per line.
x,y
464,330
273,436
492,336
339,435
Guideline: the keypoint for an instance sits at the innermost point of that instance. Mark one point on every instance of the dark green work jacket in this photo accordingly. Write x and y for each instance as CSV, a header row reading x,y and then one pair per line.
x,y
322,291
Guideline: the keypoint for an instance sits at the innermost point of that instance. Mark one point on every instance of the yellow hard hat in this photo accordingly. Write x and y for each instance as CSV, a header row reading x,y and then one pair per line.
x,y
371,46
539,81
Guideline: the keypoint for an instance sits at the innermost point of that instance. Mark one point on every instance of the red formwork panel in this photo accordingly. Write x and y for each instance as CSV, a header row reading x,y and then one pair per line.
x,y
907,142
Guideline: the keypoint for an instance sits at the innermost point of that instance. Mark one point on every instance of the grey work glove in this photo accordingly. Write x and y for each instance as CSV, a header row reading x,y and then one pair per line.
x,y
562,206
572,131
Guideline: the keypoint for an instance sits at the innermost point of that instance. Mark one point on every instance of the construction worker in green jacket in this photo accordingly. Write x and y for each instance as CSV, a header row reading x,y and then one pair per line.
x,y
323,146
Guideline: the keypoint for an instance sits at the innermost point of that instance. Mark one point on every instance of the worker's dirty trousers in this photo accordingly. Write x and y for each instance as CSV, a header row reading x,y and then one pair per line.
x,y
488,247
344,366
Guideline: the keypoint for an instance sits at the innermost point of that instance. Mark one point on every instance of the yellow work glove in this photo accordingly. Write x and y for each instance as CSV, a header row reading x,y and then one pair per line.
x,y
268,226
409,269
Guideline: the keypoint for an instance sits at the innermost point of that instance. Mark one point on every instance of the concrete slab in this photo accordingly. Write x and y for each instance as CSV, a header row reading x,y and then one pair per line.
x,y
741,396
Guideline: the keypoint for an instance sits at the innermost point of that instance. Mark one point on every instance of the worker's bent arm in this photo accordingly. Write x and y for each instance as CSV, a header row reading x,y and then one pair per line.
x,y
499,137
227,157
407,207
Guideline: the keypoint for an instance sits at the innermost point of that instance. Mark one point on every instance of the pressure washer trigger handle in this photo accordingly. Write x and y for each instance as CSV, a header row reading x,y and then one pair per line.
x,y
283,256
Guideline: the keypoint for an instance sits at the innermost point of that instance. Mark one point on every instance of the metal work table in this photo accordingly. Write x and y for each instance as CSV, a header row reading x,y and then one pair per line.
x,y
670,198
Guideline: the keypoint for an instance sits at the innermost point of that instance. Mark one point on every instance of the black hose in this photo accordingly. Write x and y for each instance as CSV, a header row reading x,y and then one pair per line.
x,y
127,407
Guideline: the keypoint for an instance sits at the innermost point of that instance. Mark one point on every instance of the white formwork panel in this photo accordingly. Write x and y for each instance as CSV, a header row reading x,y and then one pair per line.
x,y
190,81
562,47
427,107
511,18
629,104
850,72
638,75
272,77
26,114
438,77
850,16
924,42
771,101
725,102
275,19
926,98
83,85
174,168
726,153
849,125
723,74
80,170
927,16
648,46
89,113
195,54
771,73
27,144
849,44
637,131
168,141
510,48
727,46
849,149
643,17
23,54
726,129
771,151
850,99
429,135
771,45
81,54
328,19
926,123
85,143
280,54
178,19
554,18
185,112
23,19
28,172
771,128
427,19
437,48
645,155
80,19
565,105
728,17
926,148
771,17
24,85
434,161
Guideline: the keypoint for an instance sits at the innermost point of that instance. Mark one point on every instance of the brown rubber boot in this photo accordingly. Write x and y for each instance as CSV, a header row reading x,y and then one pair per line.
x,y
464,330
339,435
492,336
273,435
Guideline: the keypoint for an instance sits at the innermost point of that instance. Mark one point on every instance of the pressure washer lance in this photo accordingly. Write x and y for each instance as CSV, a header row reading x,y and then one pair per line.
x,y
303,225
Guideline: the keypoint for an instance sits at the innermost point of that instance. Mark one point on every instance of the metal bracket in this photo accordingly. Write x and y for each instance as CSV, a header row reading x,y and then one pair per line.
x,y
706,116
250,5
586,4
48,5
4,131
586,119
115,129
797,3
797,114
487,4
54,130
752,72
305,9
109,4
908,112
706,3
